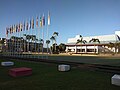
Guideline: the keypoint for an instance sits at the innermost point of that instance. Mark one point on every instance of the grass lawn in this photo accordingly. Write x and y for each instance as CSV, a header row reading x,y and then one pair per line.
x,y
113,61
47,77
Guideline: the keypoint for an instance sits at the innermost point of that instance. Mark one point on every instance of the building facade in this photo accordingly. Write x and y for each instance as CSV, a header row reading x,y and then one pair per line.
x,y
94,44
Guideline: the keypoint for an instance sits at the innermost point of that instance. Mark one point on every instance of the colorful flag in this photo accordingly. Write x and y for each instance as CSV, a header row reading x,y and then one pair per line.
x,y
48,18
41,22
32,23
37,22
16,28
7,31
10,30
21,26
26,25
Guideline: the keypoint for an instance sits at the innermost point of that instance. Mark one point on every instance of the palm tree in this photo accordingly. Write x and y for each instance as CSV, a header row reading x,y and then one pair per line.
x,y
52,39
62,47
41,43
28,37
94,40
24,35
1,44
55,34
47,42
111,45
33,38
81,41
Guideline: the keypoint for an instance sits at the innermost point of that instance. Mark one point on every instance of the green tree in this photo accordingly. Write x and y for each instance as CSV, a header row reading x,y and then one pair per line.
x,y
47,42
55,51
52,39
81,41
94,40
24,36
62,47
41,41
28,38
55,34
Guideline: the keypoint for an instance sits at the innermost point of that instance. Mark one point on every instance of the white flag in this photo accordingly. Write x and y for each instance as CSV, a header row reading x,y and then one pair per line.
x,y
48,18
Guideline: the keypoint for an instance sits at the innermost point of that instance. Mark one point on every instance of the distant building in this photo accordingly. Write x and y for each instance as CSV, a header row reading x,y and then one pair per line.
x,y
2,44
21,45
107,43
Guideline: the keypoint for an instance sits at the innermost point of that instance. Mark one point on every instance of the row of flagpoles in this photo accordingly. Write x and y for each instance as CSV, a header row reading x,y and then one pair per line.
x,y
29,26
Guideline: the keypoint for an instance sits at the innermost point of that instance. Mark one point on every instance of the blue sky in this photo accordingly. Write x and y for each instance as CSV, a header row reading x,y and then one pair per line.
x,y
68,17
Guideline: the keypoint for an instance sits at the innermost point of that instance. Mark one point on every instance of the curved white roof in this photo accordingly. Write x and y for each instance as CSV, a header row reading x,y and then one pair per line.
x,y
102,38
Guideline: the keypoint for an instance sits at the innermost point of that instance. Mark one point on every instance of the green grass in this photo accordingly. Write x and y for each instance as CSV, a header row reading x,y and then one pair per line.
x,y
103,60
47,77
113,61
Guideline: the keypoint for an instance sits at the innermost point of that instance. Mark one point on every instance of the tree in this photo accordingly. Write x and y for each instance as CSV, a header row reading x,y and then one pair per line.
x,y
111,45
33,38
62,47
94,40
28,37
41,43
55,34
55,51
24,36
52,39
81,41
1,41
47,42
1,45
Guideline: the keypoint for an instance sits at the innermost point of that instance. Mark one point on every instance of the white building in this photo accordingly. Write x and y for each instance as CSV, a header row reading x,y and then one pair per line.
x,y
107,44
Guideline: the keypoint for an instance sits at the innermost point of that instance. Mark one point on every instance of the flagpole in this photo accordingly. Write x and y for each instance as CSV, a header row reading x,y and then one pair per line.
x,y
28,28
16,40
43,22
24,38
26,43
39,39
27,33
20,41
10,40
6,41
31,40
48,30
42,42
38,42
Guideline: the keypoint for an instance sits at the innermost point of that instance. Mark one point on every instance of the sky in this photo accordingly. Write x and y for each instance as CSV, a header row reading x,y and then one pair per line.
x,y
68,17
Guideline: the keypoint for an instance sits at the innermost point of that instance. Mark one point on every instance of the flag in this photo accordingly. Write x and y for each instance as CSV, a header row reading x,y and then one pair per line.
x,y
32,23
41,22
37,22
26,25
16,28
21,26
10,30
7,31
48,18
